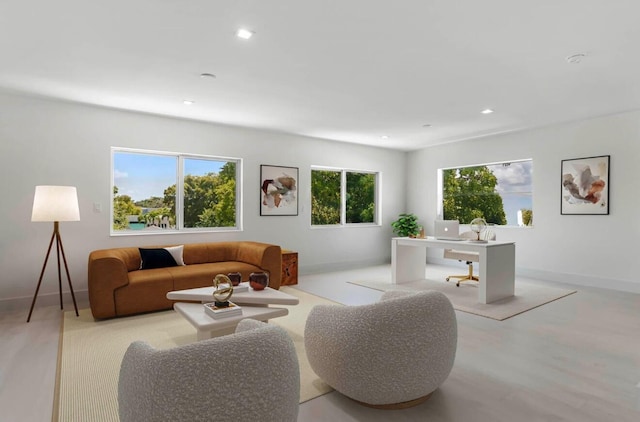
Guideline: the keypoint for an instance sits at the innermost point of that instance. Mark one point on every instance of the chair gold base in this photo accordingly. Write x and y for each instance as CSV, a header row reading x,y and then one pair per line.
x,y
466,277
396,406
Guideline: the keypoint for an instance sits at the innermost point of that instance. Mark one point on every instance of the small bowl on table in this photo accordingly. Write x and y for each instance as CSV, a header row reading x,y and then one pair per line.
x,y
259,280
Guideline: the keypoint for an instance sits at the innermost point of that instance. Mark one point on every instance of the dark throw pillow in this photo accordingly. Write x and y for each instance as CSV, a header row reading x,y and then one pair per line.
x,y
156,258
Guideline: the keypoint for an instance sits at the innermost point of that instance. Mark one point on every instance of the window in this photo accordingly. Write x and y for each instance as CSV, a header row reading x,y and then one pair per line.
x,y
340,197
501,193
158,192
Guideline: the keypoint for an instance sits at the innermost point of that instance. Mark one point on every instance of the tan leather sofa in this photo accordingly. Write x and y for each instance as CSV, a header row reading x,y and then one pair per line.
x,y
118,287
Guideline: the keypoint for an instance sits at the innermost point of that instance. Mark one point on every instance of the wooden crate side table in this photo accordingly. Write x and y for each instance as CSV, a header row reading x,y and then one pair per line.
x,y
289,268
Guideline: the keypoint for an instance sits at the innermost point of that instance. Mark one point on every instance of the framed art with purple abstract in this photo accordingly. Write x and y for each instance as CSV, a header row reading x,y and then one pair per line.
x,y
278,190
585,186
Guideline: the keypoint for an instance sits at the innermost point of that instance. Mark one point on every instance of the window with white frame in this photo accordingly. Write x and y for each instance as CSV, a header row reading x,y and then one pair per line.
x,y
343,197
501,193
158,192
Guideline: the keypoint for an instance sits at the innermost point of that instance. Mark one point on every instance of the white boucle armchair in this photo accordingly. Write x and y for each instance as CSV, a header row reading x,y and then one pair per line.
x,y
390,354
251,375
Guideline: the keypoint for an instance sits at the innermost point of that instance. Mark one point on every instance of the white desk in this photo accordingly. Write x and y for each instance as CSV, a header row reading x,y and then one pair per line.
x,y
496,263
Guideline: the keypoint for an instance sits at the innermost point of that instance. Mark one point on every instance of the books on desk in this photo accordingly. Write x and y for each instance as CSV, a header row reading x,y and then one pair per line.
x,y
218,312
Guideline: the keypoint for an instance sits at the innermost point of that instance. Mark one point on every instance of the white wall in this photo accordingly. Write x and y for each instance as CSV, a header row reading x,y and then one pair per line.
x,y
58,143
582,249
50,142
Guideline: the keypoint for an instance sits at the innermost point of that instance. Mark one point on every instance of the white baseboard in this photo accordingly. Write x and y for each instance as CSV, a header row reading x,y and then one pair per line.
x,y
340,266
50,299
581,280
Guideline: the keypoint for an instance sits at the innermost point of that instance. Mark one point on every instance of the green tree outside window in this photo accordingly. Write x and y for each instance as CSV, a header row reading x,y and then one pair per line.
x,y
209,194
327,201
325,197
360,197
469,193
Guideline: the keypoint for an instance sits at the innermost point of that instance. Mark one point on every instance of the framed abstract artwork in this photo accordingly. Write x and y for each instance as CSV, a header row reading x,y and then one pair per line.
x,y
278,190
585,186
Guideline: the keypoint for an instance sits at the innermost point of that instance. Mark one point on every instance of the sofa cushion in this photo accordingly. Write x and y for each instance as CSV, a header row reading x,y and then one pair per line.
x,y
201,253
147,291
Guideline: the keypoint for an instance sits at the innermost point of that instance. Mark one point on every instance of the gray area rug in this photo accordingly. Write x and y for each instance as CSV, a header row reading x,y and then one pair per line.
x,y
465,298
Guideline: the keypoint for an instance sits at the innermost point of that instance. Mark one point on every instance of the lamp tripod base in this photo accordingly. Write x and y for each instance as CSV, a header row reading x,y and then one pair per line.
x,y
59,251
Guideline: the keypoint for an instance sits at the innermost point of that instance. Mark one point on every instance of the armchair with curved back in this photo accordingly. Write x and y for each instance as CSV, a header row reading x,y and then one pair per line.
x,y
252,375
391,354
468,256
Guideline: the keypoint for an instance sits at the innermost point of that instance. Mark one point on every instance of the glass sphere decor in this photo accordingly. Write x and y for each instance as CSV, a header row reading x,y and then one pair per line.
x,y
478,225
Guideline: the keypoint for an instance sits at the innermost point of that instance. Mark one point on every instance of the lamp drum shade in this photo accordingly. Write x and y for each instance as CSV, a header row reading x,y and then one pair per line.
x,y
55,203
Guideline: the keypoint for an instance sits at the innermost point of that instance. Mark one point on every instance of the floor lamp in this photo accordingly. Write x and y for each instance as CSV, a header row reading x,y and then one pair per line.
x,y
55,203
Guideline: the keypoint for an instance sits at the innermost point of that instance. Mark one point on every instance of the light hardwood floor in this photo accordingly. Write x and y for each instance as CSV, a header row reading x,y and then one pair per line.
x,y
575,359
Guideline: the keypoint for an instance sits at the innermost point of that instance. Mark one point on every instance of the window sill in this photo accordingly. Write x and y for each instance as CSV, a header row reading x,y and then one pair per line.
x,y
345,226
171,232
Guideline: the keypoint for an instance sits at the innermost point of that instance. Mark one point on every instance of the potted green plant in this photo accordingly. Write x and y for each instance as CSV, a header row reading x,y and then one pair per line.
x,y
406,225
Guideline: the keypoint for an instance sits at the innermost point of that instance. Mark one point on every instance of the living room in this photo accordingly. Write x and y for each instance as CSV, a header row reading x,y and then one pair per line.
x,y
48,140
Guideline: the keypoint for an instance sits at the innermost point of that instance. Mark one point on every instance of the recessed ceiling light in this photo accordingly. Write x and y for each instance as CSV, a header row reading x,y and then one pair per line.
x,y
575,58
487,111
245,34
384,137
207,75
188,102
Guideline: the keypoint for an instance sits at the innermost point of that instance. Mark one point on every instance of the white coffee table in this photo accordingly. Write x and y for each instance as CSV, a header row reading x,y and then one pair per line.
x,y
254,303
208,327
264,297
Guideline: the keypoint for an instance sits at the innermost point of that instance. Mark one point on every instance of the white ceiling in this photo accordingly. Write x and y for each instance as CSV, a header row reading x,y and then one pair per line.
x,y
349,70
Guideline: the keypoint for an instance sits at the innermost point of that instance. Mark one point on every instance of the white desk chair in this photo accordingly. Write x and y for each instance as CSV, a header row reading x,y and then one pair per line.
x,y
467,256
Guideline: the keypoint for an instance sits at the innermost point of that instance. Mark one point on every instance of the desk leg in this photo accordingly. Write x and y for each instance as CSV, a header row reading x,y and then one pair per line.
x,y
497,273
408,263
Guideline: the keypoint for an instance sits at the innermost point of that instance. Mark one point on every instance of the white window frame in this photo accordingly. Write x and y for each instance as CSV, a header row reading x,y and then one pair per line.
x,y
180,229
343,197
440,182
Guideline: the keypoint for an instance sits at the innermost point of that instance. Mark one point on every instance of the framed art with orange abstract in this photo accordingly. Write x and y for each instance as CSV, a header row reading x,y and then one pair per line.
x,y
278,190
585,186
